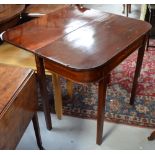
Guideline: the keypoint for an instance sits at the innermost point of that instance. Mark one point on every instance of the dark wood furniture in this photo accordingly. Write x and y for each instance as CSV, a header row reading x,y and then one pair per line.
x,y
37,10
32,11
18,105
9,16
82,45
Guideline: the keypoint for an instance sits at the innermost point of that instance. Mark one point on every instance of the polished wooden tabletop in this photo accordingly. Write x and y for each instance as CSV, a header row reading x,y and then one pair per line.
x,y
11,79
80,39
95,43
36,10
10,15
46,29
9,11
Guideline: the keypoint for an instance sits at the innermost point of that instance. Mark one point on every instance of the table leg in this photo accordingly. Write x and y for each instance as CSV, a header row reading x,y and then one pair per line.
x,y
37,131
69,86
152,136
57,95
43,90
127,9
123,9
101,108
137,71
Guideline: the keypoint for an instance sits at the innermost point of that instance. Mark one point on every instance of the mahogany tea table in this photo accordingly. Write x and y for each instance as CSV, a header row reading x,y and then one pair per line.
x,y
82,45
18,105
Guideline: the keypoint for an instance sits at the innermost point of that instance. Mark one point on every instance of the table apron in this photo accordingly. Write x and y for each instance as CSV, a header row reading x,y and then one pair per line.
x,y
116,60
93,75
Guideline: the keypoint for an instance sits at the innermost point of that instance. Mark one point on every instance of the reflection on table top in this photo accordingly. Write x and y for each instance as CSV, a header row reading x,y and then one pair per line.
x,y
78,39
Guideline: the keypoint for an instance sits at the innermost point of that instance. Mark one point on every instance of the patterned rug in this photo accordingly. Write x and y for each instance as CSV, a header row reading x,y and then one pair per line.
x,y
84,102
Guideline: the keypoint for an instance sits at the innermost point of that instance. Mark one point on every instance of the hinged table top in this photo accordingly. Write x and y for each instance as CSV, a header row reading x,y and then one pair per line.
x,y
78,39
11,79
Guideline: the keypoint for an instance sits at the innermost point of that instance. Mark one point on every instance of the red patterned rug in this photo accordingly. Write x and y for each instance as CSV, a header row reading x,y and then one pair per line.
x,y
84,101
